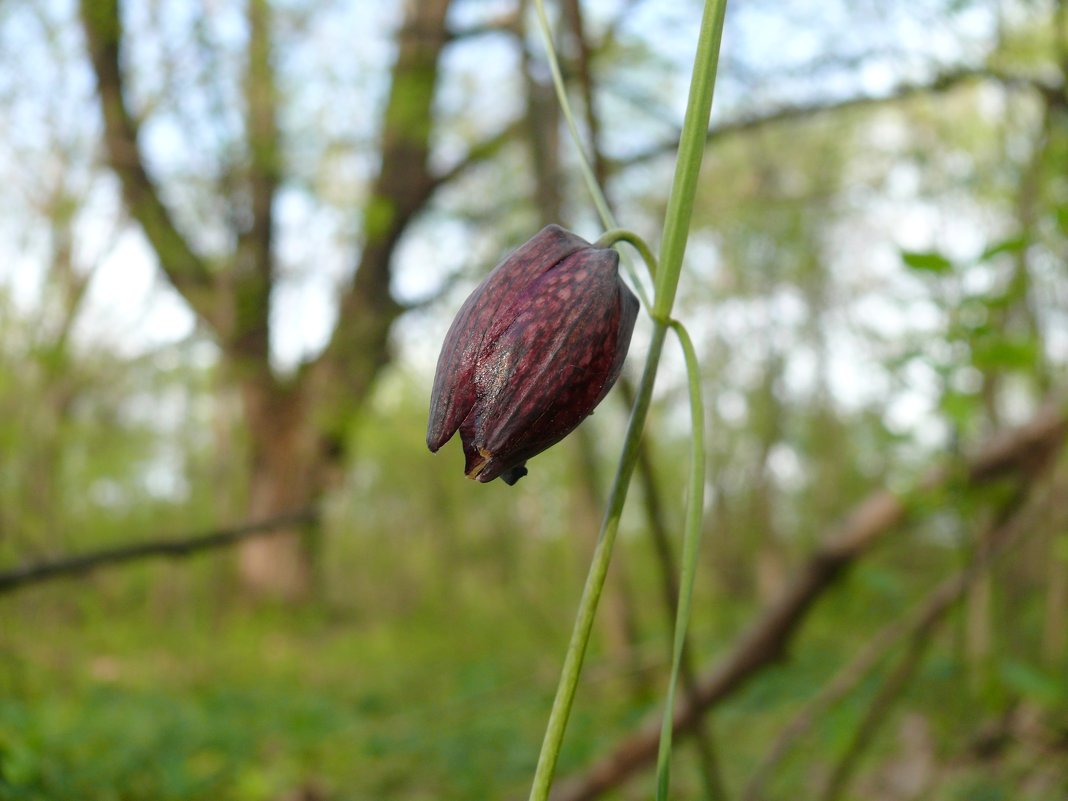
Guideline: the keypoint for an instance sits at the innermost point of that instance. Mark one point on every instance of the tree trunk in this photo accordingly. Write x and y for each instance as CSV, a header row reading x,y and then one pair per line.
x,y
285,477
297,427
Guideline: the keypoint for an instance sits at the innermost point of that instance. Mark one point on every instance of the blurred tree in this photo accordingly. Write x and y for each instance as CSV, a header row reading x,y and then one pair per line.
x,y
76,454
297,424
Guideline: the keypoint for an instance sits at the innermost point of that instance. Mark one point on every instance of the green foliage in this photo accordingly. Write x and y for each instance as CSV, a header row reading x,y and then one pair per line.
x,y
230,704
1029,682
145,745
926,262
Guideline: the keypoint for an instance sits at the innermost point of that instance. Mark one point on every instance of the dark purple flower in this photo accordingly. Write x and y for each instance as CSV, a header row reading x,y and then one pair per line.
x,y
531,352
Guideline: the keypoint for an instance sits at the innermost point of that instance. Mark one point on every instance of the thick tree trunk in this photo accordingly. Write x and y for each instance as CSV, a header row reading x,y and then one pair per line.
x,y
285,477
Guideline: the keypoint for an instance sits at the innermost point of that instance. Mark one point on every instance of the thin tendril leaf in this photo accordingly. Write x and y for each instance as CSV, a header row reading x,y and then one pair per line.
x,y
694,512
608,220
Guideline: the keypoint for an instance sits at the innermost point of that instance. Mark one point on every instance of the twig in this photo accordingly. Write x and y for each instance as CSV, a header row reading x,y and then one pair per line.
x,y
478,153
938,84
16,578
877,712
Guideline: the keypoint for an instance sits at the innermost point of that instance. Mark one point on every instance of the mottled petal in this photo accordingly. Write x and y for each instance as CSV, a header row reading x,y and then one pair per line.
x,y
548,370
531,353
485,312
629,307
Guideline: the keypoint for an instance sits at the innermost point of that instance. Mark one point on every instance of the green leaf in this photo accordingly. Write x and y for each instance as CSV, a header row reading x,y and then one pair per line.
x,y
1062,219
1060,548
1032,683
1014,244
929,262
960,407
1003,353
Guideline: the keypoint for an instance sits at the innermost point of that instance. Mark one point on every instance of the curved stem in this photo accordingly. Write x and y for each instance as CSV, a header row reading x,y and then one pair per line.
x,y
599,200
614,235
695,504
591,593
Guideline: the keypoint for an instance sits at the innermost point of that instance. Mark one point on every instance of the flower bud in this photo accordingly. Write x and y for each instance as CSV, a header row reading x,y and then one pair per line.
x,y
532,351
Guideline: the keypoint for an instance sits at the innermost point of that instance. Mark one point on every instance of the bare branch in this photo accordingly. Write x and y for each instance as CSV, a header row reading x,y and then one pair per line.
x,y
926,615
502,23
357,349
19,577
941,83
877,712
478,153
1011,524
1017,519
1024,450
254,267
188,273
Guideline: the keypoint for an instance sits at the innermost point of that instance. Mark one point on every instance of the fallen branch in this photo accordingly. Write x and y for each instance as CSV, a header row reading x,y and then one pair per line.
x,y
925,615
1016,521
878,711
1021,450
18,577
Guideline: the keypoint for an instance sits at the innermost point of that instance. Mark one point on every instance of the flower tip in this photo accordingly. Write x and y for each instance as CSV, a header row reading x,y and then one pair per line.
x,y
476,463
513,474
435,438
481,467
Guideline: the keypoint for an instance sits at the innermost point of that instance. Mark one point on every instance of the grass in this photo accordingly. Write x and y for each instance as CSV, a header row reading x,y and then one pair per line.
x,y
154,683
247,704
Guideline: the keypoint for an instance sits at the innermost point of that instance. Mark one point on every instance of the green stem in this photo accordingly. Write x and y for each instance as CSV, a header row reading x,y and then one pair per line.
x,y
694,517
599,200
688,164
673,246
608,219
591,593
614,235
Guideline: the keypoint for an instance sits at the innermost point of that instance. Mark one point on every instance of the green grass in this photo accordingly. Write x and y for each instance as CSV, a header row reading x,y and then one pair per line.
x,y
246,704
153,682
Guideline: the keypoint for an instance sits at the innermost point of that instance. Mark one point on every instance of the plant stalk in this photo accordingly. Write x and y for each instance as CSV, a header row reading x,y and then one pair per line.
x,y
673,247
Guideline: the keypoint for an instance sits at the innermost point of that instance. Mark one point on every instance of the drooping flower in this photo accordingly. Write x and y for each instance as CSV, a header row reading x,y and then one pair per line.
x,y
531,352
